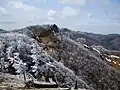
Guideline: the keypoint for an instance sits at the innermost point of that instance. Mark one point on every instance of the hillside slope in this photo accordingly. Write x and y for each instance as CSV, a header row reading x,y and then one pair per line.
x,y
68,56
110,41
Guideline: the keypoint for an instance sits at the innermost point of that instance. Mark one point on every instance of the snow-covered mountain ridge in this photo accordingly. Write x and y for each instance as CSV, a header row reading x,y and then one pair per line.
x,y
43,51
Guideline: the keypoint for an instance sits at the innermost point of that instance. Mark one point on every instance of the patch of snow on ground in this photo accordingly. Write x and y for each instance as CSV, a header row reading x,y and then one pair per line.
x,y
86,46
96,50
114,62
108,60
113,56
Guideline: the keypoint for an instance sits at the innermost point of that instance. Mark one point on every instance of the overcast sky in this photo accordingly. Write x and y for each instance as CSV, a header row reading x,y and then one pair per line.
x,y
97,16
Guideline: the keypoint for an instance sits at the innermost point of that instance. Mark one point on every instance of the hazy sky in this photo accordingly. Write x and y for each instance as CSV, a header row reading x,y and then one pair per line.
x,y
97,16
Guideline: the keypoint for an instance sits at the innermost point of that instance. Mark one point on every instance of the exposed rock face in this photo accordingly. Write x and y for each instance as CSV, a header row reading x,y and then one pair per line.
x,y
61,54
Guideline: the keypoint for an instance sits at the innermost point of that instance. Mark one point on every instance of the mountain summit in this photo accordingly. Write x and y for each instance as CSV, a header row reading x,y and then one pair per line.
x,y
50,54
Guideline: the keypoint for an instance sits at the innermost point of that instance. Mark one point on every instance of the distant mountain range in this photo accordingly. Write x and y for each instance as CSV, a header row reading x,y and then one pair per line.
x,y
91,60
110,41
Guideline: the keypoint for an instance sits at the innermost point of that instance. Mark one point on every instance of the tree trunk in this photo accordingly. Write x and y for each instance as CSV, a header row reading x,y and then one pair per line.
x,y
24,76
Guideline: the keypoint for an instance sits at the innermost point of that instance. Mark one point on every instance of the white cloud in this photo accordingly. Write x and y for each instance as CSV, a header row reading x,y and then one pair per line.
x,y
3,11
21,14
25,12
21,5
69,11
52,14
101,2
17,4
79,2
90,14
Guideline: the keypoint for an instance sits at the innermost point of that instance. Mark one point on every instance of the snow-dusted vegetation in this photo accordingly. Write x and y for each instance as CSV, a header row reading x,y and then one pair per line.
x,y
46,53
23,55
